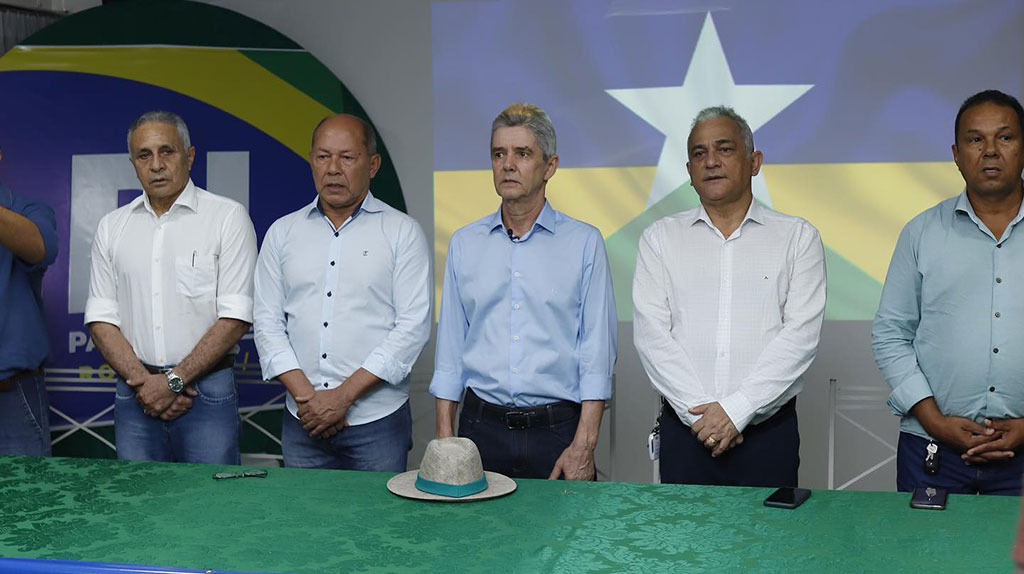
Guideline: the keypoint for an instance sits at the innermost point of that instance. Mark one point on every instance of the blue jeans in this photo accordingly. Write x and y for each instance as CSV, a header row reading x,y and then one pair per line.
x,y
208,432
381,445
25,418
1003,477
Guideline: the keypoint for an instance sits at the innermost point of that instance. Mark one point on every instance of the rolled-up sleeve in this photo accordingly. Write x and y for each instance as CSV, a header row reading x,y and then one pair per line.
x,y
101,306
896,322
41,215
447,381
269,321
392,360
236,268
598,324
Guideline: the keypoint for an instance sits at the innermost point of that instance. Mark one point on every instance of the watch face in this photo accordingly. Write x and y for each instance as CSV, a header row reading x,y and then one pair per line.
x,y
175,383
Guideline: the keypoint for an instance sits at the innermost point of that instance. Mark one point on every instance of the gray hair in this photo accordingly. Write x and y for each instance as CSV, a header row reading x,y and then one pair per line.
x,y
532,118
164,118
728,113
369,136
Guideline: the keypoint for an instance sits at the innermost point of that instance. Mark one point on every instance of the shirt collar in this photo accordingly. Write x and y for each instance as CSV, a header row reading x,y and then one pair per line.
x,y
963,205
546,220
188,198
370,204
754,213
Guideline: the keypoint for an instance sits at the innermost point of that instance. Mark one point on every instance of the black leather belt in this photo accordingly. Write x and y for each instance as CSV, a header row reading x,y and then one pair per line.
x,y
226,362
8,383
522,418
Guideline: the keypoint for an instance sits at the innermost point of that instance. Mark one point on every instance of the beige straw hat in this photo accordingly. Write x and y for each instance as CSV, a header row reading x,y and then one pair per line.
x,y
451,471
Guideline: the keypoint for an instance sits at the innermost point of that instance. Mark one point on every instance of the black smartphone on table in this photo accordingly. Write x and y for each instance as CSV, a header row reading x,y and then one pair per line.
x,y
787,497
929,497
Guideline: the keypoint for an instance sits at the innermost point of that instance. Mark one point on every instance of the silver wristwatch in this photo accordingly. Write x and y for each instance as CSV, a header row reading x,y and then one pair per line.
x,y
174,382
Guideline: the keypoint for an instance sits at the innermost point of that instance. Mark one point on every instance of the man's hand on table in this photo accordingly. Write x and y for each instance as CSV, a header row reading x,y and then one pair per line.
x,y
714,429
575,463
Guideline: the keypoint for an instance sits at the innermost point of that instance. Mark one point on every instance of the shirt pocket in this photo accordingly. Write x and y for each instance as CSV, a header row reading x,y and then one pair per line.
x,y
196,275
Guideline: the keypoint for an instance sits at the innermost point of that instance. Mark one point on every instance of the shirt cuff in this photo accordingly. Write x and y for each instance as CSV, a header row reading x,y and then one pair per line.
x,y
386,368
739,409
281,362
102,311
448,386
234,307
911,391
595,387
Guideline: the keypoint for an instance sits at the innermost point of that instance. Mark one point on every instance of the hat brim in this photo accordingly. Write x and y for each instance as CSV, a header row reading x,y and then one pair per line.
x,y
404,485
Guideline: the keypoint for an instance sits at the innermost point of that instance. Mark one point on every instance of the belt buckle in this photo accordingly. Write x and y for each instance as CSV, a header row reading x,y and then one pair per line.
x,y
517,420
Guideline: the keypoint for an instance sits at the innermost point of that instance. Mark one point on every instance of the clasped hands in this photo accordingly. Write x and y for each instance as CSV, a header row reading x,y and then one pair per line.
x,y
714,429
996,439
322,413
159,401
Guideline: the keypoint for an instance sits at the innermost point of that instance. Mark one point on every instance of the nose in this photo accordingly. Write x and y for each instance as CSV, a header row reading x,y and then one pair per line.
x,y
507,163
989,148
711,159
334,165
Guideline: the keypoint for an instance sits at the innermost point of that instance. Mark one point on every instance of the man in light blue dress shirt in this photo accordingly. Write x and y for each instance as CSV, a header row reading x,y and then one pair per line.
x,y
947,335
342,310
528,324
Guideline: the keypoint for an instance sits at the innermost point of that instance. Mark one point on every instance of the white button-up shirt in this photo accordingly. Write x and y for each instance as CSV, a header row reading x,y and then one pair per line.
x,y
164,281
329,301
734,320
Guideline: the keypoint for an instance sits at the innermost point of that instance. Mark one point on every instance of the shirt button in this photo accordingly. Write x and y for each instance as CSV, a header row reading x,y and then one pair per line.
x,y
996,350
516,274
1000,246
157,327
328,293
332,264
998,315
335,234
325,323
999,279
324,356
515,337
325,385
515,305
515,369
991,389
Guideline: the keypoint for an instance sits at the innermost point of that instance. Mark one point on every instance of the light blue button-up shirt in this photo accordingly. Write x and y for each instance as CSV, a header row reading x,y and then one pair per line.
x,y
527,322
329,301
951,320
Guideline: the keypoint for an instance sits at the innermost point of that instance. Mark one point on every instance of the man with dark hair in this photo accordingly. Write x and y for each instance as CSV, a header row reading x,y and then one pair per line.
x,y
342,311
728,301
28,245
169,296
947,335
528,324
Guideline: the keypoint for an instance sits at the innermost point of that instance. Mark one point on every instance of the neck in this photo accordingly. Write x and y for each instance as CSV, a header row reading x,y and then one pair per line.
x,y
339,215
996,210
727,217
162,205
519,215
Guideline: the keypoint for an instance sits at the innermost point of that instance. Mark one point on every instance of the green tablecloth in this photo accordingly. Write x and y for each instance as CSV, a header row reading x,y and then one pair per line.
x,y
331,521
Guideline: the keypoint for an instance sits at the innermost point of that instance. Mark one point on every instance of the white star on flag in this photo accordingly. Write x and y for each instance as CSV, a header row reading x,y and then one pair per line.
x,y
708,83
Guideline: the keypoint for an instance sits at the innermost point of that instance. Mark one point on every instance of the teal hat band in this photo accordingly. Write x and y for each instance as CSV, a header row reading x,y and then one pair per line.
x,y
452,490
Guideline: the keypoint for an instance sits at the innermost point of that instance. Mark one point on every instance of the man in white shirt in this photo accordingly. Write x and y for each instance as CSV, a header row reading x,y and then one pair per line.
x,y
342,310
728,303
170,295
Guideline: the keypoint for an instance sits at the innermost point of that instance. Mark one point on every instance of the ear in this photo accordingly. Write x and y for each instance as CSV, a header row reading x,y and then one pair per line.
x,y
374,165
690,173
756,159
956,155
191,156
552,166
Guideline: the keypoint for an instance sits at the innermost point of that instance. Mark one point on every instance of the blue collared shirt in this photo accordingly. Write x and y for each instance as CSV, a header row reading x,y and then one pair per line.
x,y
23,341
950,320
527,322
329,301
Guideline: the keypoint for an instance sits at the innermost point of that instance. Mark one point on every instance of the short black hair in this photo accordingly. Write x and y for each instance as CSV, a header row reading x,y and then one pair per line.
x,y
369,135
989,96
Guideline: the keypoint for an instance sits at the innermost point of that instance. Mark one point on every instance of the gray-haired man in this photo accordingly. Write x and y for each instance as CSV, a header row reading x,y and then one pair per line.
x,y
170,295
728,303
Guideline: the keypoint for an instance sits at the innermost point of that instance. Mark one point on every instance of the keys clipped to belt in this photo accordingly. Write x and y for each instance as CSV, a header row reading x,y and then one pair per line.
x,y
931,458
654,440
